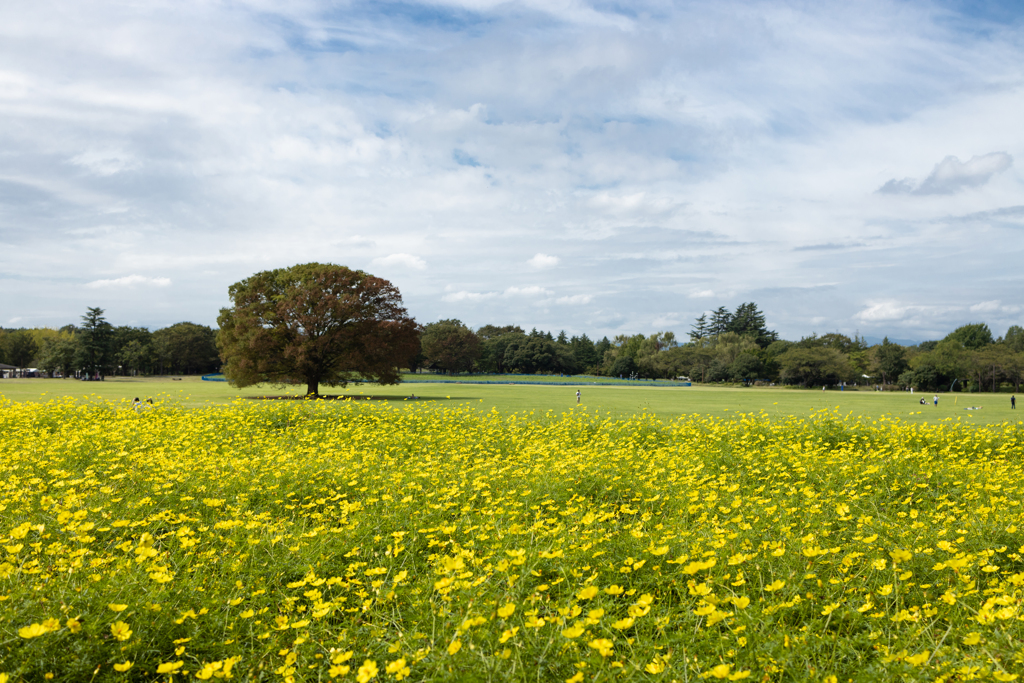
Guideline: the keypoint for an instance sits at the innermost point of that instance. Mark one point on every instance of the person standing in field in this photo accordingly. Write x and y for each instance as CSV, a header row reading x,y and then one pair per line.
x,y
1013,403
935,399
577,397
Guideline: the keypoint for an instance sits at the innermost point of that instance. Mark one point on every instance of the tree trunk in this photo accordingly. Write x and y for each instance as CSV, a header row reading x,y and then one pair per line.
x,y
312,388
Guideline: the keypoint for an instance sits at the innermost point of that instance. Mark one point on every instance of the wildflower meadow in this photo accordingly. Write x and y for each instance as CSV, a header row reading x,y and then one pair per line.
x,y
360,541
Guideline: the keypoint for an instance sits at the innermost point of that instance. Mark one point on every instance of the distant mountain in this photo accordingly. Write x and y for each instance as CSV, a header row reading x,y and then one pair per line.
x,y
871,341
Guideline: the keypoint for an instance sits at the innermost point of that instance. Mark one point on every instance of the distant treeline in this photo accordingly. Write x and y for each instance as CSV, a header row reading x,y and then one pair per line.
x,y
97,347
724,346
734,346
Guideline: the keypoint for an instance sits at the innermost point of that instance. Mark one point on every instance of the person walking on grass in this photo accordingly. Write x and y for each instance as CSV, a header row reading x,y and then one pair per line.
x,y
1013,402
935,399
577,397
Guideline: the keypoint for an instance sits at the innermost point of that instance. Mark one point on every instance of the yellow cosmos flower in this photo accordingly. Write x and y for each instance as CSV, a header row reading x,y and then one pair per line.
x,y
123,666
367,671
398,669
114,607
120,631
918,659
603,646
573,631
900,555
655,667
587,593
725,671
32,631
506,610
169,667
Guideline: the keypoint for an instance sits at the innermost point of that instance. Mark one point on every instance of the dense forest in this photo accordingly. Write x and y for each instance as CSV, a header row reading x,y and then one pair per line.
x,y
95,347
732,346
736,347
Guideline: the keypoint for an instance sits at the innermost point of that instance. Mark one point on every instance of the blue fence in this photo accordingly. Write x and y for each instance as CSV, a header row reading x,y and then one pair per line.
x,y
550,384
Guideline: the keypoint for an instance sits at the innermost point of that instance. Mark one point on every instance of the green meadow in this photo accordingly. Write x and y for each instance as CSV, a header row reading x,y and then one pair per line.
x,y
617,401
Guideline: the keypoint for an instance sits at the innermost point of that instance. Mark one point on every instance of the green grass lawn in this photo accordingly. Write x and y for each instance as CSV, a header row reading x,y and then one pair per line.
x,y
618,401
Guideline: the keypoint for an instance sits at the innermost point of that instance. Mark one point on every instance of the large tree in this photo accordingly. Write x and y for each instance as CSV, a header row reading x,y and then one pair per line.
x,y
700,329
973,336
450,346
811,366
186,348
891,360
21,348
93,350
133,349
721,318
494,341
1015,338
58,354
584,352
317,324
749,321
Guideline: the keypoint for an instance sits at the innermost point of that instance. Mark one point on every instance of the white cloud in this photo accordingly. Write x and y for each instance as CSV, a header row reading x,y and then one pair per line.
x,y
530,291
986,306
995,306
885,311
542,261
105,162
702,294
402,260
575,299
468,296
952,175
130,281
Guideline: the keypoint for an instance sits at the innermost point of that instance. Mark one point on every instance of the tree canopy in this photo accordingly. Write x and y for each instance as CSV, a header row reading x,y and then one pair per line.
x,y
183,347
450,346
316,324
973,336
94,342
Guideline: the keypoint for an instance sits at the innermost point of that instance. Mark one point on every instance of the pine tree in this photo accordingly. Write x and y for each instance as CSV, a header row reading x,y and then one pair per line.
x,y
720,320
699,330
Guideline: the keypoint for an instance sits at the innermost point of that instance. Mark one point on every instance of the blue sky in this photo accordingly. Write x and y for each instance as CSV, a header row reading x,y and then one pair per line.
x,y
597,167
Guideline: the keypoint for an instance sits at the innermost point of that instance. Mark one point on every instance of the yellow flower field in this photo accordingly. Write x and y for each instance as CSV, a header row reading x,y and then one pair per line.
x,y
313,541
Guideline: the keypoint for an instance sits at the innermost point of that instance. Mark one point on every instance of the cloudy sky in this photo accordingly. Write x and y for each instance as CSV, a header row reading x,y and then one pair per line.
x,y
594,166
